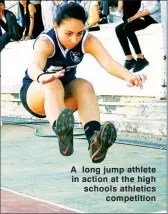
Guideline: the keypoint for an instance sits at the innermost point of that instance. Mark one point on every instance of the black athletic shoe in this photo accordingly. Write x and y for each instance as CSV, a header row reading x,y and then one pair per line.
x,y
140,64
64,131
129,64
101,141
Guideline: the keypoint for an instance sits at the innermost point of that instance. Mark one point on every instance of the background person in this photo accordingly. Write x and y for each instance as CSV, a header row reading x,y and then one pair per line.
x,y
92,9
119,9
47,10
148,13
49,7
32,20
10,30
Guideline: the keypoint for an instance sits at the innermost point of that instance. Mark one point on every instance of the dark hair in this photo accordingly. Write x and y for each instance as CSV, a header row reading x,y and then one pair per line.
x,y
22,8
2,1
71,10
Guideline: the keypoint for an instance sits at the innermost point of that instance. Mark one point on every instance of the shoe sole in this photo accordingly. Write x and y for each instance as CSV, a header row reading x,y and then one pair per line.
x,y
106,137
64,131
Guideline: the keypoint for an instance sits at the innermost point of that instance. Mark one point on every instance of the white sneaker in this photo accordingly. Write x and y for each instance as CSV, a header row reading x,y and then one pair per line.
x,y
116,13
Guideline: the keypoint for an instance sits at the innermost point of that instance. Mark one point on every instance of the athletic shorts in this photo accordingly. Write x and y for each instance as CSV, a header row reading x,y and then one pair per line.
x,y
23,95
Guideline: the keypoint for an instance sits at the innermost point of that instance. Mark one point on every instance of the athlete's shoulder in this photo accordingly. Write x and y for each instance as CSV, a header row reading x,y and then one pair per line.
x,y
89,39
91,42
42,39
49,31
43,44
45,38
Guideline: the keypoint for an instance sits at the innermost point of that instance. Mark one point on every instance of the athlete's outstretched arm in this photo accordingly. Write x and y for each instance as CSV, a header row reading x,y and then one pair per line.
x,y
94,47
42,50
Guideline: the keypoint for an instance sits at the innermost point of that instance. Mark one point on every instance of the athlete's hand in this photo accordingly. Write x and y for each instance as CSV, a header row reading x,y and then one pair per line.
x,y
137,80
47,78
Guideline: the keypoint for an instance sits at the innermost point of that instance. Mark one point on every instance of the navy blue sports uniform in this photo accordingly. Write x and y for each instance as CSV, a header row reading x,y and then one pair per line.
x,y
61,58
67,59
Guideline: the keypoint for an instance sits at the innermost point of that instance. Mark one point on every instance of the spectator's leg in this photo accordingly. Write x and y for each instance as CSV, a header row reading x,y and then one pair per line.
x,y
130,61
105,8
123,40
136,25
4,40
13,27
101,5
129,30
104,12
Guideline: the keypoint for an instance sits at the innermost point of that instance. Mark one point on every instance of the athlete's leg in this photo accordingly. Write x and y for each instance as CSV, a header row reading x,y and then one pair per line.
x,y
51,98
99,138
81,92
47,99
78,94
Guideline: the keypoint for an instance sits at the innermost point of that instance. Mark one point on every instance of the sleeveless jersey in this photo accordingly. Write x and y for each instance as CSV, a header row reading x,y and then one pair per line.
x,y
61,58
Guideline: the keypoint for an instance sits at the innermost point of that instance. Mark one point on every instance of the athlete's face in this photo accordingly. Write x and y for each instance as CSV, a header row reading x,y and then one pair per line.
x,y
69,32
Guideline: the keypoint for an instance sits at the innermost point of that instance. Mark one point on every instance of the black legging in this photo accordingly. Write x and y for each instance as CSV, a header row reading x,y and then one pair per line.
x,y
126,31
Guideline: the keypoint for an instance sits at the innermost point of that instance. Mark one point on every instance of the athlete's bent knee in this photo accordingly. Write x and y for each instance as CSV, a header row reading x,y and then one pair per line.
x,y
54,84
86,87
